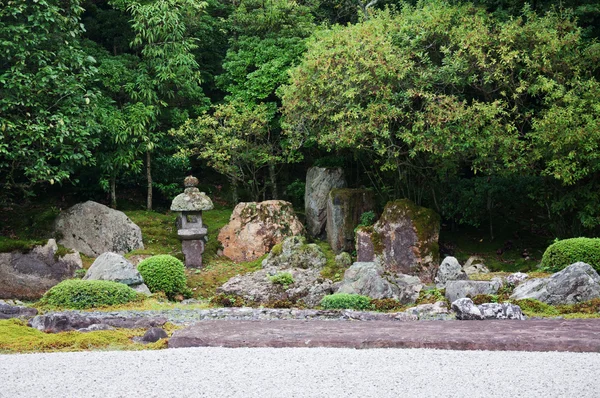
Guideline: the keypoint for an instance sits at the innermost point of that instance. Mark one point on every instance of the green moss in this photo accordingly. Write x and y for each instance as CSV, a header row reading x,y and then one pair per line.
x,y
23,246
17,337
331,270
61,252
277,249
535,308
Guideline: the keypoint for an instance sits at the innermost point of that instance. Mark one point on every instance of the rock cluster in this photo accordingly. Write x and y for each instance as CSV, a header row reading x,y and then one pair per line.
x,y
302,261
71,320
370,279
27,276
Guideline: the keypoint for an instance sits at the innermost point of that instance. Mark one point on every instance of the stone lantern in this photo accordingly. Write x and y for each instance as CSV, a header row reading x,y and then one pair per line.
x,y
190,229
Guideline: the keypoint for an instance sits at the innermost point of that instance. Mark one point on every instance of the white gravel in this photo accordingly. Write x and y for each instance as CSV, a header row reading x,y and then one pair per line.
x,y
300,372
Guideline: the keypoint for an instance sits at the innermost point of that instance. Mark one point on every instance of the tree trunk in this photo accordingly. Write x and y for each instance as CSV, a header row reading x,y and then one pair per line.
x,y
149,177
273,178
113,192
234,191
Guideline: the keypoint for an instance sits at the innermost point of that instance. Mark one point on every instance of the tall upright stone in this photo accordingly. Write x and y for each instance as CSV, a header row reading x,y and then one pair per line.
x,y
344,208
404,240
319,181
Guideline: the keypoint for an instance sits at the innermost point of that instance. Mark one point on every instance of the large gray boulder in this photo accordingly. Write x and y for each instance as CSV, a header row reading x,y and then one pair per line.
x,y
450,270
370,279
92,229
461,289
27,276
576,283
319,181
344,208
302,261
114,267
404,240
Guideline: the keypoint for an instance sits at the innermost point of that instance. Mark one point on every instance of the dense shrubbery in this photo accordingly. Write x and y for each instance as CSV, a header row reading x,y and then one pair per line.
x,y
164,273
80,294
346,301
282,278
563,253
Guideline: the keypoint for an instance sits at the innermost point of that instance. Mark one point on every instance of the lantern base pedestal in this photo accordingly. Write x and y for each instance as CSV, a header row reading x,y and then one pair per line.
x,y
192,251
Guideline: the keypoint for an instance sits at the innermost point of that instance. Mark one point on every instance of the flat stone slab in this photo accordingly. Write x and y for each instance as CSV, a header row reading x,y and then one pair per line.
x,y
577,335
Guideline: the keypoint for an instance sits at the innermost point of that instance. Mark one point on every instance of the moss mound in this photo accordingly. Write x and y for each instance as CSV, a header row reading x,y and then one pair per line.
x,y
563,253
80,294
346,301
164,273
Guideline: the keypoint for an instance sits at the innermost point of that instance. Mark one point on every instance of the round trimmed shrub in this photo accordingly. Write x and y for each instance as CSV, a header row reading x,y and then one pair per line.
x,y
164,273
81,294
346,301
563,253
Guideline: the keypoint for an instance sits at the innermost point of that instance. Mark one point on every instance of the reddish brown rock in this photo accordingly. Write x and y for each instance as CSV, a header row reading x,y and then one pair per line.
x,y
404,240
576,335
254,228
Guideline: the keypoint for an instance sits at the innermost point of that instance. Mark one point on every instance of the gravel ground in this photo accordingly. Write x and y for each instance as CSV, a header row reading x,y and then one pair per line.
x,y
300,372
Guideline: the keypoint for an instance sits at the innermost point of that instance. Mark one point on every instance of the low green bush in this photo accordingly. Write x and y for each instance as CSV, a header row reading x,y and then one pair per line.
x,y
282,278
565,252
82,294
346,301
164,273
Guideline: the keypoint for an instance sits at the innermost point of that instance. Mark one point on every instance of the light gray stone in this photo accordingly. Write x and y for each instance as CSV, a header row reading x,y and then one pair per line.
x,y
369,279
576,283
461,289
450,270
516,278
28,276
501,311
466,310
319,181
474,269
96,327
343,260
191,200
92,229
113,267
294,252
436,311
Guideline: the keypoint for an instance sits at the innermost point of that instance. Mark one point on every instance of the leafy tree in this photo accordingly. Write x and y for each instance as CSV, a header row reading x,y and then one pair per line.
x,y
235,141
48,127
438,90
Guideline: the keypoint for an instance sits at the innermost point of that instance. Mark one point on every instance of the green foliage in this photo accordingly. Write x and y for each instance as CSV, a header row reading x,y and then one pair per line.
x,y
164,273
565,252
531,307
82,294
295,192
284,279
346,301
367,218
48,126
236,141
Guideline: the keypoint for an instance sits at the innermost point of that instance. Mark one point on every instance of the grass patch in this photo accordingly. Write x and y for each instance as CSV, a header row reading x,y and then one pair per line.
x,y
17,337
23,246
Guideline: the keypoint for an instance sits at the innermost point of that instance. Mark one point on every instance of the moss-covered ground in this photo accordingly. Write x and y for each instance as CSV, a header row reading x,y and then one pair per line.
x,y
17,337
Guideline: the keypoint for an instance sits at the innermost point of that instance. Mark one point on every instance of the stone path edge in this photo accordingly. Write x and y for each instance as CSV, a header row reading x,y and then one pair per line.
x,y
577,335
